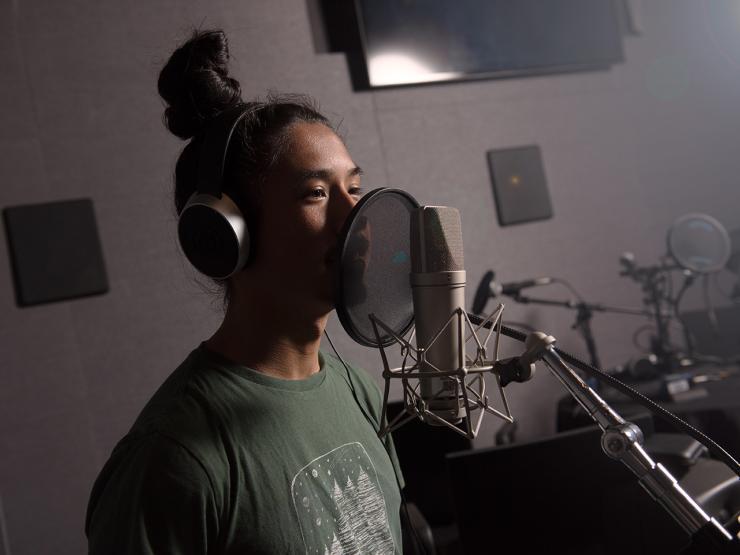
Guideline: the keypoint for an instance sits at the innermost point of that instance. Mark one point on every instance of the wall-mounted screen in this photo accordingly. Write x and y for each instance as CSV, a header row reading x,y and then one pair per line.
x,y
421,41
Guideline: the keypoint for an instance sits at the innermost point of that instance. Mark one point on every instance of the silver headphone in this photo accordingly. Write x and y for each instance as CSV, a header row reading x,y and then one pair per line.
x,y
212,230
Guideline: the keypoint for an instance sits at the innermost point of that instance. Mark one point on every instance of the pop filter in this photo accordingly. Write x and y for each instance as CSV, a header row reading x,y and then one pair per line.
x,y
733,264
375,265
699,243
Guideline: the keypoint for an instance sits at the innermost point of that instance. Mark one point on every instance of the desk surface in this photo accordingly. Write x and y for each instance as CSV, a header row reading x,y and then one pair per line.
x,y
705,393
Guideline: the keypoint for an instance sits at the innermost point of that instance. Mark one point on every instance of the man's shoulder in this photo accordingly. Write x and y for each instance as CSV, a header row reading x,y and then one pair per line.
x,y
191,407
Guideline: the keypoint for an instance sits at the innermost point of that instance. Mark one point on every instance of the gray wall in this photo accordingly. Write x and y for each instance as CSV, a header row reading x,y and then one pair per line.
x,y
625,151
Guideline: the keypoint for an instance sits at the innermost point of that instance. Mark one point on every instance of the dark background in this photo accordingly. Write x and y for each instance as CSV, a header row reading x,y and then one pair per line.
x,y
625,151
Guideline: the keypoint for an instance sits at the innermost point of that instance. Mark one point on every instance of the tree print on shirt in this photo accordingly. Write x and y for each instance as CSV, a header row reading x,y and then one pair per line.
x,y
340,505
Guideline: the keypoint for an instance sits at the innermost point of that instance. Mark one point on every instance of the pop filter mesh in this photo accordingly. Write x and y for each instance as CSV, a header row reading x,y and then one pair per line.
x,y
375,265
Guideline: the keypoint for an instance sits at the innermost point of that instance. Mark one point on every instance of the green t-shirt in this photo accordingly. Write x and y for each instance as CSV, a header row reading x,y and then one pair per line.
x,y
224,459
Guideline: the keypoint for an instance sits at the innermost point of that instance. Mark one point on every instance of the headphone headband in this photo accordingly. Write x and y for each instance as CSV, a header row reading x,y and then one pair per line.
x,y
212,161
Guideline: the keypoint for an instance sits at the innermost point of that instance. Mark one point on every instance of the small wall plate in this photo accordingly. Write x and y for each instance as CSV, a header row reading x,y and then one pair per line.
x,y
519,185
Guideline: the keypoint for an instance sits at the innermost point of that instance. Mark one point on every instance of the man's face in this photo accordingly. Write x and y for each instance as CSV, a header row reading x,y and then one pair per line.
x,y
305,201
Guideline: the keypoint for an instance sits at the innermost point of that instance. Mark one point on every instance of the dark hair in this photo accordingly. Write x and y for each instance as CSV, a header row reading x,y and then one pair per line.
x,y
197,87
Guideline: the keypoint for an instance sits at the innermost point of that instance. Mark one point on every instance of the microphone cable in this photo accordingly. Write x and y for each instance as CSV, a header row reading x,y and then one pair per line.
x,y
565,283
714,448
419,545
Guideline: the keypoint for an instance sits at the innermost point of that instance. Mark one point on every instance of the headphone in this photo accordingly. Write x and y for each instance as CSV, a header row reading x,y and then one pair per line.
x,y
212,230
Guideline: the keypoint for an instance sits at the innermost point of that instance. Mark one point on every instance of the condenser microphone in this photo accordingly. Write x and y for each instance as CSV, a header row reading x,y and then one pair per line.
x,y
411,275
438,290
513,288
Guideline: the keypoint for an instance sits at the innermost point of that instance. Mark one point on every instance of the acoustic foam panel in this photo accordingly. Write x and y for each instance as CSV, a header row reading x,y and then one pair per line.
x,y
55,251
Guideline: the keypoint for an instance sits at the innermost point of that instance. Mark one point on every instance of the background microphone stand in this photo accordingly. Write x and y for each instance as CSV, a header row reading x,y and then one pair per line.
x,y
584,313
654,280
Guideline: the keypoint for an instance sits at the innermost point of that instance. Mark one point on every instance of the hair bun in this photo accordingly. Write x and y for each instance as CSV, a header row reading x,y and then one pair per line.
x,y
196,85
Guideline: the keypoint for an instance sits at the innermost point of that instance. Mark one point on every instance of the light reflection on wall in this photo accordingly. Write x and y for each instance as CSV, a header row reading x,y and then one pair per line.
x,y
397,67
723,32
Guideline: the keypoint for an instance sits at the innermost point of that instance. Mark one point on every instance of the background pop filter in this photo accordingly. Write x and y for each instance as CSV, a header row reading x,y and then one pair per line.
x,y
375,265
700,243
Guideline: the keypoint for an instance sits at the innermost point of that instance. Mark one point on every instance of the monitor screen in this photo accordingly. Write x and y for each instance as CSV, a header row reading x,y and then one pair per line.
x,y
421,41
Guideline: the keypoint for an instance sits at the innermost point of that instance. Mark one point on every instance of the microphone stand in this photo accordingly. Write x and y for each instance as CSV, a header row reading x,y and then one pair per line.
x,y
653,280
622,440
583,318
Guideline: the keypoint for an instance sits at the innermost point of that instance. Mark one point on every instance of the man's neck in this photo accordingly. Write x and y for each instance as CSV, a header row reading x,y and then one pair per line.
x,y
282,346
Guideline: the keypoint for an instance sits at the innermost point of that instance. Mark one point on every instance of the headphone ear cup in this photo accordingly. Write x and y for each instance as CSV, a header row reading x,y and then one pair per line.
x,y
214,236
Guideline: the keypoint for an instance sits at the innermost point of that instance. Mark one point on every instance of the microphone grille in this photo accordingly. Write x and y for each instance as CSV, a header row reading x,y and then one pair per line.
x,y
436,240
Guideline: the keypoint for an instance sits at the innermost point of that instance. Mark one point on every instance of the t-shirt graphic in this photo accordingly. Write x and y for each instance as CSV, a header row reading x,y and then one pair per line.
x,y
340,506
